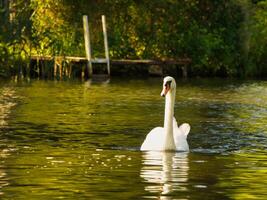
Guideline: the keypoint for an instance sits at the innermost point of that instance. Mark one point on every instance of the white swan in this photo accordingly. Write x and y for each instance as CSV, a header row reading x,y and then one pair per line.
x,y
171,137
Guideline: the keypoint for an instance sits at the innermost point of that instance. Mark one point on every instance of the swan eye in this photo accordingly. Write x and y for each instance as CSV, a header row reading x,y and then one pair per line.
x,y
168,83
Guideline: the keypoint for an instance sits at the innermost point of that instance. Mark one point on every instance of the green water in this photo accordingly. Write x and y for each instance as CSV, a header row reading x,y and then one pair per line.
x,y
80,140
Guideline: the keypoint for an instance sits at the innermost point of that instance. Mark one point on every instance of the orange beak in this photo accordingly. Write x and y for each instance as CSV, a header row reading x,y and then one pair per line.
x,y
165,90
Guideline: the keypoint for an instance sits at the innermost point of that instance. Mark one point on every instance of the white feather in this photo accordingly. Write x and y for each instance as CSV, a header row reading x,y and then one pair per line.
x,y
171,137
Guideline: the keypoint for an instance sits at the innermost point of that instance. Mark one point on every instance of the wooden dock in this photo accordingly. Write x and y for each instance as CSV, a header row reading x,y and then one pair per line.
x,y
181,61
64,65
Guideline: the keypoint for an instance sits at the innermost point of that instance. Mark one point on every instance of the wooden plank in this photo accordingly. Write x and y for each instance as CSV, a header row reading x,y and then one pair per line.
x,y
87,44
131,62
36,57
106,43
76,59
150,62
117,61
100,60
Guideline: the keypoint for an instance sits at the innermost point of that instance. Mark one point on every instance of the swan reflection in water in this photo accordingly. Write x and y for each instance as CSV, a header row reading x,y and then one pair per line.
x,y
165,172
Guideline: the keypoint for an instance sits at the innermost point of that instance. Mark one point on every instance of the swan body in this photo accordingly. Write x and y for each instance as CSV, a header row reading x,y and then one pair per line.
x,y
171,137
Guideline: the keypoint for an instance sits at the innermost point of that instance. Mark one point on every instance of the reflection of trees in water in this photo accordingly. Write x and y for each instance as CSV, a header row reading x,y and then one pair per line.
x,y
7,96
3,176
165,172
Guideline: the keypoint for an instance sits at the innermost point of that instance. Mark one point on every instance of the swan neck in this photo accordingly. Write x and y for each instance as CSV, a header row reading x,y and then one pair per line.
x,y
169,109
168,121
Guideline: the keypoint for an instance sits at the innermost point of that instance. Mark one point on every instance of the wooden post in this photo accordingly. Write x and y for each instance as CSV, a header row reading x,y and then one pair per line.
x,y
184,70
60,67
70,69
38,67
87,45
106,43
43,69
55,67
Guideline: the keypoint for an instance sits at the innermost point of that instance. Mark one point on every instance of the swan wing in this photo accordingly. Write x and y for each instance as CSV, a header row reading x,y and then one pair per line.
x,y
154,140
180,135
185,128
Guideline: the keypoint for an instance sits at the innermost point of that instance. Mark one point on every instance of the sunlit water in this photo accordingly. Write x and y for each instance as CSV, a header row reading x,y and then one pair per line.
x,y
80,140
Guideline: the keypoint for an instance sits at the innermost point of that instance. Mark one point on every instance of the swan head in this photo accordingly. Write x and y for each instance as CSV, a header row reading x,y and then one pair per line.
x,y
169,85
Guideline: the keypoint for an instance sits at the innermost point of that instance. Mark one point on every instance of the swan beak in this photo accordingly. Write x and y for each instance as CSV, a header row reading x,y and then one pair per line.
x,y
165,91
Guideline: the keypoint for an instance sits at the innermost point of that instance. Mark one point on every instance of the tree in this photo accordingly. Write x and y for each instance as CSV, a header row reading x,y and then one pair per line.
x,y
258,43
224,37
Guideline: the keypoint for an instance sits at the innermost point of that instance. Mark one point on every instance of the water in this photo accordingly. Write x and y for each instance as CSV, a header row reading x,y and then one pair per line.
x,y
80,140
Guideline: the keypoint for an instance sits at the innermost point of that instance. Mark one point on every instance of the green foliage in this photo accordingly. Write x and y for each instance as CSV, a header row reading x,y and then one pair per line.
x,y
224,37
15,29
258,45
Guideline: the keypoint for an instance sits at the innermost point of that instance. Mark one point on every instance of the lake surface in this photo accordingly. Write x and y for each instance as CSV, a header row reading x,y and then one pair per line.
x,y
81,140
